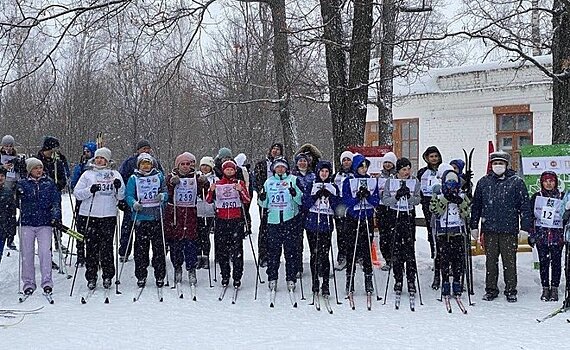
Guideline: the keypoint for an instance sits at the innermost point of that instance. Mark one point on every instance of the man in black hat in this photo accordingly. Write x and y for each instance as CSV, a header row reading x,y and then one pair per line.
x,y
127,169
500,202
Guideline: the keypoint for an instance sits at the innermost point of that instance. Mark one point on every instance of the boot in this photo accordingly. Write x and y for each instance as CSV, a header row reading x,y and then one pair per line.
x,y
553,293
445,289
436,280
106,283
545,294
490,296
160,283
457,289
141,282
225,281
91,284
29,291
48,289
368,285
512,298
291,286
191,277
237,283
272,285
10,243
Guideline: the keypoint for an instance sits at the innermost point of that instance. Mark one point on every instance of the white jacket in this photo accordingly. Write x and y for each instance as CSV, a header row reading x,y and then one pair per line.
x,y
104,201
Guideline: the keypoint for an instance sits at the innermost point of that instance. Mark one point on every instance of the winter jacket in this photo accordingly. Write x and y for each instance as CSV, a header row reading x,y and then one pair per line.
x,y
7,208
104,202
261,172
229,202
39,201
129,166
499,202
305,179
281,206
449,218
427,175
350,187
548,222
56,168
155,179
184,195
320,211
206,209
18,171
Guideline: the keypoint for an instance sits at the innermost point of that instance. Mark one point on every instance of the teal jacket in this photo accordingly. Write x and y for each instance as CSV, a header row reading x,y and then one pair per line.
x,y
281,206
132,196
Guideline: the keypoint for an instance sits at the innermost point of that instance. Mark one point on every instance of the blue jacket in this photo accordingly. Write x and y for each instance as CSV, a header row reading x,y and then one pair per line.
x,y
351,203
150,213
40,201
501,201
315,221
7,208
79,168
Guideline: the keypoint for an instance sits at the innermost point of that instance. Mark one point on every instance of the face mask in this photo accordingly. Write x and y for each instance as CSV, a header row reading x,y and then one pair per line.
x,y
499,169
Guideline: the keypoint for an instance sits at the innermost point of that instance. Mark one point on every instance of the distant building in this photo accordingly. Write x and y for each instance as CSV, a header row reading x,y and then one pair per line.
x,y
465,107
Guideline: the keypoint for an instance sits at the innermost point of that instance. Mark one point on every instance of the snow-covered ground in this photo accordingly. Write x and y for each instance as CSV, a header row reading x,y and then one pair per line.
x,y
251,324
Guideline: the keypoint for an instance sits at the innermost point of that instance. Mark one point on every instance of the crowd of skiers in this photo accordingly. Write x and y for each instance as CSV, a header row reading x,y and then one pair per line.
x,y
175,211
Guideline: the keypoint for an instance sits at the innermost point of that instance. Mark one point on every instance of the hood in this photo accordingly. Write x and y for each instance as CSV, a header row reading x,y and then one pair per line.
x,y
430,150
357,160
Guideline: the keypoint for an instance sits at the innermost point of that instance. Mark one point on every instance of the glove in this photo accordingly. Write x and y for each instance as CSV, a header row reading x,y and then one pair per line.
x,y
94,188
468,175
117,184
137,206
531,241
175,180
475,234
122,205
362,193
323,192
523,235
161,197
402,192
262,196
292,191
453,198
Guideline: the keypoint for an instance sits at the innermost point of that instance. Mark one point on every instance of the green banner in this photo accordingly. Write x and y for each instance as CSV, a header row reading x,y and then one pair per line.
x,y
535,159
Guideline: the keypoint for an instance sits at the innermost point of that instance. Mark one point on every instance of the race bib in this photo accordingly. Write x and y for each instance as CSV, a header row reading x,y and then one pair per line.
x,y
547,212
147,190
451,218
355,185
185,192
322,205
428,180
227,197
10,173
105,179
278,195
395,184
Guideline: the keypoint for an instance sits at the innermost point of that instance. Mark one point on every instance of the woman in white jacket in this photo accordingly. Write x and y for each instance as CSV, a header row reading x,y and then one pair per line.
x,y
99,189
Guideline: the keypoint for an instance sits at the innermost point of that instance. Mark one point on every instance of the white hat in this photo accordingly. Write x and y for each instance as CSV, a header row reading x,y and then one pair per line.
x,y
240,159
346,154
145,156
390,157
209,161
103,152
8,140
32,163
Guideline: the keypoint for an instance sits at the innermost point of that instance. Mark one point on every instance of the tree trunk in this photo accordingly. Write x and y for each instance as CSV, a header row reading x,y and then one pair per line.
x,y
561,63
282,76
385,87
357,95
336,69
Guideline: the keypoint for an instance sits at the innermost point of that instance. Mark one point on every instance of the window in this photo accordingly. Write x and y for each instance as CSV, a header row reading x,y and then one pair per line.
x,y
406,140
514,130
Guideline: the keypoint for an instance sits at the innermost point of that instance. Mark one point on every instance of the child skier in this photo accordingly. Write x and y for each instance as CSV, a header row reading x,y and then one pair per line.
x,y
206,213
180,219
320,199
306,176
282,196
229,194
340,213
401,195
382,211
145,193
360,196
548,235
99,189
450,209
40,210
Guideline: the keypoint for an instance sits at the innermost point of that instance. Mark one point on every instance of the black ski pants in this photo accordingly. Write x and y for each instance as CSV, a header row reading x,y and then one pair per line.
x,y
228,237
362,252
320,245
384,217
147,233
99,247
203,243
404,251
451,251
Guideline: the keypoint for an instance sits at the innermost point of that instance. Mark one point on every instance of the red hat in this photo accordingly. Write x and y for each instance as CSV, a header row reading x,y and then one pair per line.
x,y
229,164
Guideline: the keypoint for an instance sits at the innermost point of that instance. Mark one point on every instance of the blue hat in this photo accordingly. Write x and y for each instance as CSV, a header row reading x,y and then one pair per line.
x,y
459,163
91,146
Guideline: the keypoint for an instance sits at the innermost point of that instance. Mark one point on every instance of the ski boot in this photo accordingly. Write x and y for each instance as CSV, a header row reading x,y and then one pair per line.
x,y
445,289
545,294
412,287
29,291
141,283
325,287
160,283
92,284
10,243
48,289
272,285
237,283
106,283
225,282
512,298
490,296
553,293
457,289
291,286
386,266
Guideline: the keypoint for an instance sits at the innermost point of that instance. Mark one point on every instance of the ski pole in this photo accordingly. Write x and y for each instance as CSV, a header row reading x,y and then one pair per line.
x,y
352,267
300,270
251,243
392,248
207,229
214,246
317,258
117,233
466,245
164,242
20,244
414,250
378,298
85,241
333,269
134,219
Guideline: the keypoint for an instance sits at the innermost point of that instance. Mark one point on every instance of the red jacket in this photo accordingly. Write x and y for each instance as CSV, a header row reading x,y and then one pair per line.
x,y
228,209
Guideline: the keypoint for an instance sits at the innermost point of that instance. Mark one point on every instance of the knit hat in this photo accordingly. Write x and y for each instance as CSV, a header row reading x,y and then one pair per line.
x,y
279,161
103,152
346,154
90,146
300,156
143,143
324,164
390,157
500,155
50,142
184,157
459,163
278,145
442,169
240,159
8,140
549,175
145,156
224,152
402,163
209,161
229,164
32,163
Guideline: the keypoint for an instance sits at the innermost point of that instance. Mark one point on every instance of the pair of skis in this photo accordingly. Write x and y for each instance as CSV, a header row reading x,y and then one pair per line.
x,y
447,302
350,298
317,302
180,292
398,299
48,296
137,296
292,298
223,293
87,297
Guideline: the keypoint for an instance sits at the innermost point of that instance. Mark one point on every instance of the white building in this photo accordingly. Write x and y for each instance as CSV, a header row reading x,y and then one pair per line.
x,y
508,103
